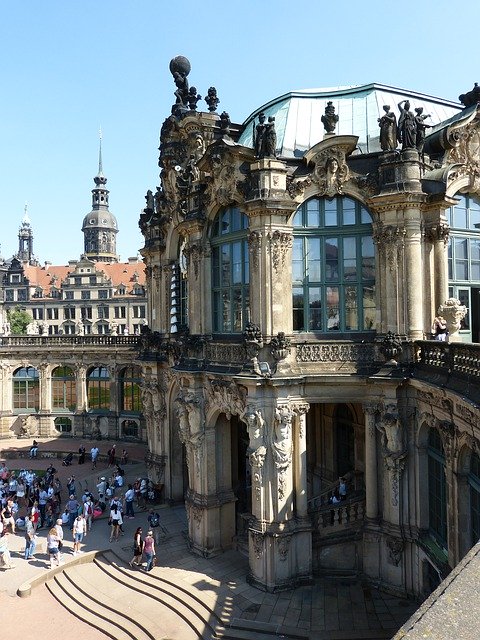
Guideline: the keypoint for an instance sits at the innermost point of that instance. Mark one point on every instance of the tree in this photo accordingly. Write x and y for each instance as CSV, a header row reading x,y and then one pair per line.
x,y
18,320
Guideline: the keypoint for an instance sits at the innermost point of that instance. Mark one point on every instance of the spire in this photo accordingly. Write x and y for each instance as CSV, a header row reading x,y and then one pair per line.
x,y
100,164
26,219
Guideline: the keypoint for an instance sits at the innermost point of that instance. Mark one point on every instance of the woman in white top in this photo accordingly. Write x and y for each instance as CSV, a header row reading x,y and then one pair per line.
x,y
115,520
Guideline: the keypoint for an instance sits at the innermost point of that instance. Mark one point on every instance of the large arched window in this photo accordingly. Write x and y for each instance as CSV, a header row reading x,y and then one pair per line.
x,y
26,386
333,267
130,389
64,393
230,271
464,261
474,486
98,388
437,489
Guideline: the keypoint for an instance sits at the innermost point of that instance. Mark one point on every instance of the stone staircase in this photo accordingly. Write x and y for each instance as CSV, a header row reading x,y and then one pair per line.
x,y
127,604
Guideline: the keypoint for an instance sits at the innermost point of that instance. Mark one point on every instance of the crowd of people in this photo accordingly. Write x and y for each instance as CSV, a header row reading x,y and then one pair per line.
x,y
30,501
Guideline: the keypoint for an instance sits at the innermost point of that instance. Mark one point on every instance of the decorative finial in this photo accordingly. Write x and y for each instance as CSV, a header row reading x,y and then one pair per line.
x,y
212,99
26,219
100,164
330,118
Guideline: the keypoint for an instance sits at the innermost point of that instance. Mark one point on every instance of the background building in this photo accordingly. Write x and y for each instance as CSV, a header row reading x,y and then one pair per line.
x,y
295,264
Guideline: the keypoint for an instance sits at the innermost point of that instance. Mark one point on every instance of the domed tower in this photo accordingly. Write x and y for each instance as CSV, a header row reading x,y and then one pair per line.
x,y
100,225
25,241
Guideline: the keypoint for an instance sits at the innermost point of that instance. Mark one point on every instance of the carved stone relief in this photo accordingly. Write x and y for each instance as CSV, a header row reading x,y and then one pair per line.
x,y
390,239
257,450
395,550
191,427
279,243
255,244
335,353
257,543
283,547
331,172
227,397
282,445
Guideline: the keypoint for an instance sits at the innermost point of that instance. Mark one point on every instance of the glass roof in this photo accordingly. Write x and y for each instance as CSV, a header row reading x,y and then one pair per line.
x,y
298,115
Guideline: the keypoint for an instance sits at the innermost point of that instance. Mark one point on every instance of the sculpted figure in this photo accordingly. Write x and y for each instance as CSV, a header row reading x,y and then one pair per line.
x,y
255,426
282,444
388,130
270,138
407,126
421,127
330,118
259,136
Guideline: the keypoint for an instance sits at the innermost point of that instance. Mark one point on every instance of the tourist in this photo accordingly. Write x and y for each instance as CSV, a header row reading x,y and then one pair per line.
x,y
52,547
115,521
137,548
58,527
149,550
30,541
72,507
94,455
79,531
81,454
4,551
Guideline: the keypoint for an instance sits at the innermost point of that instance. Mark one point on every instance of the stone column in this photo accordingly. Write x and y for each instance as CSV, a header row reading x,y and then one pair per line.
x,y
440,241
371,479
300,449
413,284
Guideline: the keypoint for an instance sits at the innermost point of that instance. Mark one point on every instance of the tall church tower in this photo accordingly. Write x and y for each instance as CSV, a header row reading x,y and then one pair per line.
x,y
100,226
25,241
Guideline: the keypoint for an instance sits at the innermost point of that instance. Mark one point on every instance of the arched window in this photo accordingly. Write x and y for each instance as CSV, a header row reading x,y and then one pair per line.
x,y
230,271
344,440
98,388
64,425
64,395
130,389
437,489
26,386
333,266
474,485
464,261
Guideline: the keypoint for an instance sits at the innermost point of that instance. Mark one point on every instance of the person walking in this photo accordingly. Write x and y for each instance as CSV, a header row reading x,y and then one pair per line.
x,y
79,531
149,550
129,498
115,521
94,455
59,528
30,542
52,547
4,551
137,548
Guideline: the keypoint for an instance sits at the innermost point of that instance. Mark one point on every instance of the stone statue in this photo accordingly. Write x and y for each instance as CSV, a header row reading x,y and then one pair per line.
x,y
180,68
255,427
259,136
471,97
388,129
407,127
421,126
282,443
270,138
193,97
191,173
79,328
113,328
225,123
212,99
330,118
150,208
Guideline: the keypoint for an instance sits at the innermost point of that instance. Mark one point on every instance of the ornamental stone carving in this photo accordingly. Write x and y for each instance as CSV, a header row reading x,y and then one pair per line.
x,y
225,396
154,407
395,548
335,353
257,450
454,312
196,515
331,172
282,444
438,232
284,546
255,245
222,188
257,543
279,243
390,239
228,353
191,426
193,253
280,346
392,431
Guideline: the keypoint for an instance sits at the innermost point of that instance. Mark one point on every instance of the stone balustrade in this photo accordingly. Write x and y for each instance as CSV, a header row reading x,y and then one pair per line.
x,y
330,518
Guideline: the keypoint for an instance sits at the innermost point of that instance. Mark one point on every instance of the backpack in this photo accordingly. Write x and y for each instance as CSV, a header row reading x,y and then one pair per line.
x,y
88,508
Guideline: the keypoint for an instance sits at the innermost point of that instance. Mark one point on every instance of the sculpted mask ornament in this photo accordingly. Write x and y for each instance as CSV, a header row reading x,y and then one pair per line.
x,y
331,173
454,312
282,444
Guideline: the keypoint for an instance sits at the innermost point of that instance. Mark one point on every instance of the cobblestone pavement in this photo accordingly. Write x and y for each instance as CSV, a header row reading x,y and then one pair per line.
x,y
325,608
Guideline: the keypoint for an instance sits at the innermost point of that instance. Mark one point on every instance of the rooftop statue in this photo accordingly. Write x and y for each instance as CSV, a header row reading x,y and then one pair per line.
x,y
388,129
421,126
193,98
212,99
270,138
330,118
471,97
180,68
407,126
259,136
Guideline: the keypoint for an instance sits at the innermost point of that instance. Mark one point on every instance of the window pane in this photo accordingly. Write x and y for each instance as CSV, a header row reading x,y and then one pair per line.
x,y
297,262
226,312
237,310
313,254
298,311
348,211
313,213
369,308
351,309
333,304
237,263
314,309
331,216
216,266
331,259
368,258
349,259
226,277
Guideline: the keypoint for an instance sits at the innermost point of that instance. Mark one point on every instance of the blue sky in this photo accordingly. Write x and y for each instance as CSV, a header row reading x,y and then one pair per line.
x,y
70,67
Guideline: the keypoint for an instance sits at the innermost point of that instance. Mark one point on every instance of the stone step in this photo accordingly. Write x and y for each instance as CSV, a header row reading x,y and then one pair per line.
x,y
204,605
254,630
179,601
85,609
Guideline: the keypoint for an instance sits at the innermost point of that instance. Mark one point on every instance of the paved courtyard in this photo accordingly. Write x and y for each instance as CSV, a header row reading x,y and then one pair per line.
x,y
330,608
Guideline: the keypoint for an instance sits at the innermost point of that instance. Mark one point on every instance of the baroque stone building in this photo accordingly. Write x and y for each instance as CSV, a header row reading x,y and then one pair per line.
x,y
294,264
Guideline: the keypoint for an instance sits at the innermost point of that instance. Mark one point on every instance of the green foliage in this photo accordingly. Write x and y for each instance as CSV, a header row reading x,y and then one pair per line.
x,y
18,320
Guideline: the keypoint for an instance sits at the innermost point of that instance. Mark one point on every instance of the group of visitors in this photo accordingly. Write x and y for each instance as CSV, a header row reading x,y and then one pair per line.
x,y
143,546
